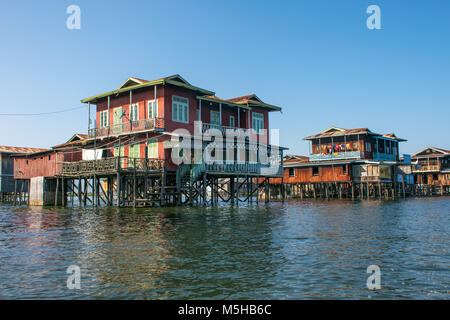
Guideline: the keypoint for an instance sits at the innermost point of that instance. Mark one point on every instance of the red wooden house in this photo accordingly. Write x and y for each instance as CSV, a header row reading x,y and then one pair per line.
x,y
138,119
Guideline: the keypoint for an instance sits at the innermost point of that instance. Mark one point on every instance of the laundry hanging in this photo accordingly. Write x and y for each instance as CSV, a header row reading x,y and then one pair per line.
x,y
89,154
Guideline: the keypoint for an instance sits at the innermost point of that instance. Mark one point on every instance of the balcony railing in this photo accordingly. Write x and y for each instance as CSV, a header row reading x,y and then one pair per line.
x,y
127,127
109,165
336,156
275,170
223,129
427,168
384,157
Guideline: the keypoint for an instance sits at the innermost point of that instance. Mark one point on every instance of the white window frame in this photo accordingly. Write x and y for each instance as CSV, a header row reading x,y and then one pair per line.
x,y
152,105
152,142
259,124
134,116
104,119
176,105
234,122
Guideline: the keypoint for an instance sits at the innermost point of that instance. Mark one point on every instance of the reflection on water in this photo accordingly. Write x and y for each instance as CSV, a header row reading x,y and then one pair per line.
x,y
295,250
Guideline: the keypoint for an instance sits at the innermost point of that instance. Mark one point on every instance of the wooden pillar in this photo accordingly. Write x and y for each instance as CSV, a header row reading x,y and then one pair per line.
x,y
20,192
15,191
163,187
118,188
367,190
237,190
56,192
204,189
250,196
232,189
134,184
63,194
190,192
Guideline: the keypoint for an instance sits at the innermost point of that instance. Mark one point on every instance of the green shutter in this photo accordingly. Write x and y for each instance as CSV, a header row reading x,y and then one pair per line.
x,y
152,148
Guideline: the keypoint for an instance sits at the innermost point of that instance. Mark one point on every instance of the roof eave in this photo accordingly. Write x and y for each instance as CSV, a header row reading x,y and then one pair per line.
x,y
143,85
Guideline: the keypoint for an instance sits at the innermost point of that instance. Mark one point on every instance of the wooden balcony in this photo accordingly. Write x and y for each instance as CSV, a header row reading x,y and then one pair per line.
x,y
127,127
336,156
223,129
427,168
109,166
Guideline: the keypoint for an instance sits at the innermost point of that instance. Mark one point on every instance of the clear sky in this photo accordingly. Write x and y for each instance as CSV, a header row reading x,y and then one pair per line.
x,y
316,59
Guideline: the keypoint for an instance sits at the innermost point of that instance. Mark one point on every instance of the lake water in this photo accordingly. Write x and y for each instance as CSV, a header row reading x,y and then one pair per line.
x,y
291,250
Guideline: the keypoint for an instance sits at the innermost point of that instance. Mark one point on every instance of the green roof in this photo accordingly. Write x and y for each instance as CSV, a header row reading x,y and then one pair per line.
x,y
162,81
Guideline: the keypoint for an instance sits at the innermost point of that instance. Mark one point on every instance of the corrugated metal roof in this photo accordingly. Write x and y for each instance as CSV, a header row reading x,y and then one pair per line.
x,y
443,152
6,149
176,80
338,132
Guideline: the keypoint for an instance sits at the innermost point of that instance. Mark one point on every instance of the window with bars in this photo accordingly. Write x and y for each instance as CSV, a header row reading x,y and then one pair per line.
x,y
152,148
134,151
215,119
118,151
152,109
104,119
257,122
180,109
134,112
232,122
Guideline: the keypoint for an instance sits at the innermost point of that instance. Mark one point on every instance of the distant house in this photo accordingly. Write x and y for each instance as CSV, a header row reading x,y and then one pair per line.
x,y
345,155
7,166
432,166
47,162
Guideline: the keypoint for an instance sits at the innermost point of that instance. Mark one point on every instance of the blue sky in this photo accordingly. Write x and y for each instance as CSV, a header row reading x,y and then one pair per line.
x,y
316,59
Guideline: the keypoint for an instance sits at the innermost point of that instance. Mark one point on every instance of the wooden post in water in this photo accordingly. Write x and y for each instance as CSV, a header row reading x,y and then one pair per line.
x,y
204,189
15,191
163,187
134,183
353,191
56,192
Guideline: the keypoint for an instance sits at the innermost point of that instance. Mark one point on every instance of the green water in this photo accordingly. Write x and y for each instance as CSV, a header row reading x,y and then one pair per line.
x,y
291,250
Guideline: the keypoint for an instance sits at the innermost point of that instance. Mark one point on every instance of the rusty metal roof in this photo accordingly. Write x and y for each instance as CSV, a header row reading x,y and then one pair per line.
x,y
6,149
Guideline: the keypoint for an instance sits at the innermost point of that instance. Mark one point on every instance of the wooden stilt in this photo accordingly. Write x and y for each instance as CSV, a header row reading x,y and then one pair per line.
x,y
56,192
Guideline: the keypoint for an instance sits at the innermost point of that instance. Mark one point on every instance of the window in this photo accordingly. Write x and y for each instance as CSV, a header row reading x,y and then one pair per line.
x,y
368,147
117,151
344,170
435,177
291,172
232,124
198,115
215,119
134,112
152,109
180,109
104,119
315,171
152,148
134,151
257,122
